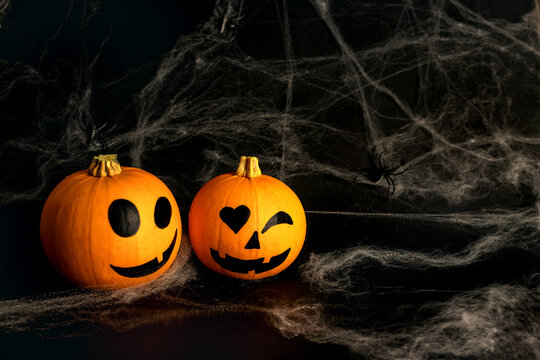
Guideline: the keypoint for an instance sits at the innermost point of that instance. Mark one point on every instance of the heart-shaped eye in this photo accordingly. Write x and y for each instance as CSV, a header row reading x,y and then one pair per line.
x,y
235,218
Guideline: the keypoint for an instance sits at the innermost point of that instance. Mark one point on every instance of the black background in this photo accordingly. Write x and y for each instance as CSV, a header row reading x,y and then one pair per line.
x,y
183,100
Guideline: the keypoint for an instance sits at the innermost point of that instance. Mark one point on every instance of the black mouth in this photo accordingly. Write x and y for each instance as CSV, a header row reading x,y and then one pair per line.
x,y
147,268
244,266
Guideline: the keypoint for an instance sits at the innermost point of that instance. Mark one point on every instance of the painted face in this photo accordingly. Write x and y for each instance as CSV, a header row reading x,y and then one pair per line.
x,y
112,231
248,228
125,221
235,219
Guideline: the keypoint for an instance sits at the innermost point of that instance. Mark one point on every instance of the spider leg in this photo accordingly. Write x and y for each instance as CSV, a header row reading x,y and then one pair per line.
x,y
379,161
112,127
70,144
82,126
386,195
102,142
399,173
90,136
371,158
391,172
392,185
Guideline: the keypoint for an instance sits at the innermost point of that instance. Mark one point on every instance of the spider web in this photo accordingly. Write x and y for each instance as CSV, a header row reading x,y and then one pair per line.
x,y
442,89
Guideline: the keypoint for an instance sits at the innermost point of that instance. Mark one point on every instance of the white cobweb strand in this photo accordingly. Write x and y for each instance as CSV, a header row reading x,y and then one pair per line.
x,y
331,272
478,160
4,6
460,147
498,320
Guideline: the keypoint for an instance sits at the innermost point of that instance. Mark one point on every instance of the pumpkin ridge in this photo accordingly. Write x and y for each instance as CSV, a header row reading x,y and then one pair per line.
x,y
142,244
156,250
230,189
70,190
254,183
50,248
204,198
93,195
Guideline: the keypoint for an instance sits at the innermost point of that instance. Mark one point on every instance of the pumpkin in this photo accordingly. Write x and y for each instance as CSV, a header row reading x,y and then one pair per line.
x,y
246,225
111,226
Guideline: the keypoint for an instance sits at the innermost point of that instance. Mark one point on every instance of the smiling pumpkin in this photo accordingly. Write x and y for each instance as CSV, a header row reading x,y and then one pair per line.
x,y
247,225
111,226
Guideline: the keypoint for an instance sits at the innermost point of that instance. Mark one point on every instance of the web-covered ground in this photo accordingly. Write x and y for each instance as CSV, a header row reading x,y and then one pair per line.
x,y
440,261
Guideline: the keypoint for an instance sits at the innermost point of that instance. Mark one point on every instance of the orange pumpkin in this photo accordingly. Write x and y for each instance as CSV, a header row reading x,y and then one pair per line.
x,y
247,225
111,226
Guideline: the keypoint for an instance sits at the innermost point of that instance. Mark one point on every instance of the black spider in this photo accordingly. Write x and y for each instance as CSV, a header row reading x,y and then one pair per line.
x,y
94,134
377,172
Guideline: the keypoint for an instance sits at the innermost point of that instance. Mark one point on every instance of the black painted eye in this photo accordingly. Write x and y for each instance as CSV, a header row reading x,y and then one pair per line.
x,y
124,217
162,212
235,218
279,218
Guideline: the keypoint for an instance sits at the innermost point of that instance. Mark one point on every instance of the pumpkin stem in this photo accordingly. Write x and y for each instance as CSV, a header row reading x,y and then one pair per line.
x,y
104,165
248,167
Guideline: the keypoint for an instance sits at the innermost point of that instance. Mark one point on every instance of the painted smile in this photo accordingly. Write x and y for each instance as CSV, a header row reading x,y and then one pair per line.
x,y
244,266
147,268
